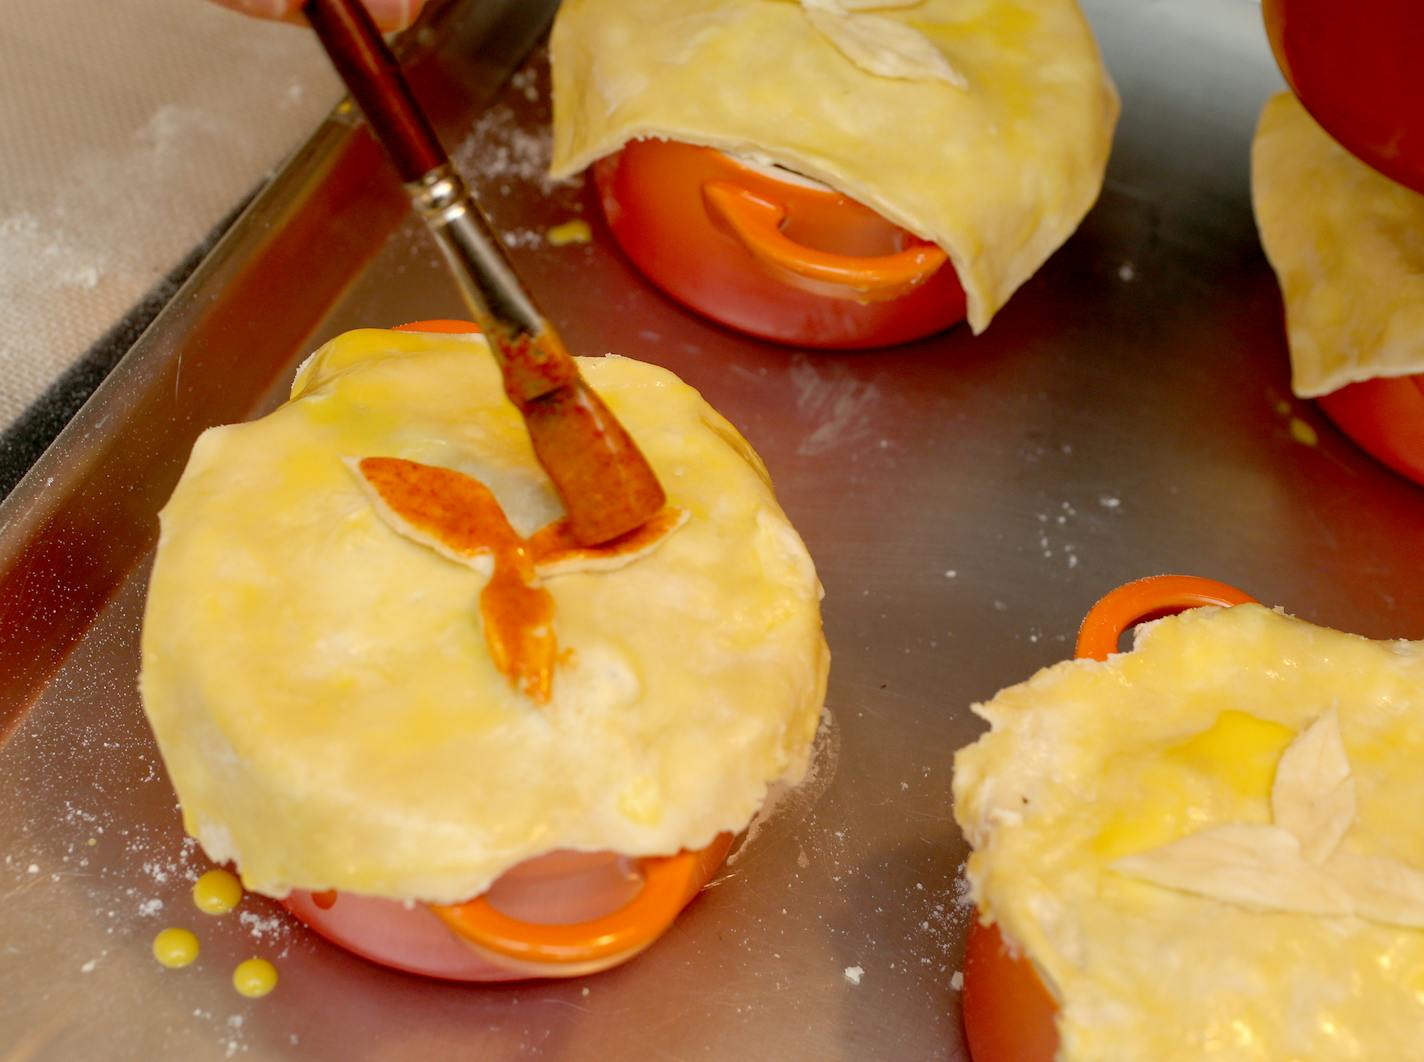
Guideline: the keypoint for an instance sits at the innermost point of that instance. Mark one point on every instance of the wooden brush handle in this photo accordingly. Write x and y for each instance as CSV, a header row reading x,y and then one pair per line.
x,y
531,357
372,75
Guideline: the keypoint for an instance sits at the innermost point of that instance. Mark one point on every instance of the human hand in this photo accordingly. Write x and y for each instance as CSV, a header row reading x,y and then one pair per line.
x,y
389,14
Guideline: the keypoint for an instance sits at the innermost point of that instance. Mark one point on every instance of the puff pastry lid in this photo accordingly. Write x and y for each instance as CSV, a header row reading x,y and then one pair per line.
x,y
325,702
1210,846
995,152
1345,243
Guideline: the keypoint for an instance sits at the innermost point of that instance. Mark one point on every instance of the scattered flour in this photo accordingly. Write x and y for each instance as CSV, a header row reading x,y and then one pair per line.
x,y
500,148
265,928
830,396
963,891
825,755
522,237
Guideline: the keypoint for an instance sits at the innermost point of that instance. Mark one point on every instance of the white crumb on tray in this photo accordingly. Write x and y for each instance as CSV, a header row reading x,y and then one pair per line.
x,y
262,928
522,238
853,974
957,981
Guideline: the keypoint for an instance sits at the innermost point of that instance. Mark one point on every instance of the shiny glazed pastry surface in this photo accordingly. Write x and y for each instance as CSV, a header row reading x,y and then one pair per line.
x,y
1131,823
1345,243
324,697
996,161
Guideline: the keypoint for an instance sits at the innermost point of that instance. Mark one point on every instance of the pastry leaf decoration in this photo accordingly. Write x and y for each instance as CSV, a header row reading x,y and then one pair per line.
x,y
459,517
879,45
1314,793
1296,864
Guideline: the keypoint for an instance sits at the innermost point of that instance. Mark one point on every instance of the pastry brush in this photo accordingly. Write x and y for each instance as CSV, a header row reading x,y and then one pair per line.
x,y
603,479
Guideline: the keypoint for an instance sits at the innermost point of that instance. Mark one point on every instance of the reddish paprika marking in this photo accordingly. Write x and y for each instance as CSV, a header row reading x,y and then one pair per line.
x,y
555,543
461,516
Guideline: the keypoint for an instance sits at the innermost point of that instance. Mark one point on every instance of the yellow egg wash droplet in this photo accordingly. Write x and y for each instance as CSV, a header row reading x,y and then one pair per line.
x,y
254,978
574,231
175,947
1302,432
217,892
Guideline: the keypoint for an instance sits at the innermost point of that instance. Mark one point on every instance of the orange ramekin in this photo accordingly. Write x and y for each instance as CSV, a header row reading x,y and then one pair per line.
x,y
563,914
1385,417
1009,1014
771,253
1355,69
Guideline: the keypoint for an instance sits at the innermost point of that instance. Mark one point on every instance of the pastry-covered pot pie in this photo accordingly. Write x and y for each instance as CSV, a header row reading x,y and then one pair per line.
x,y
1345,243
980,128
1207,847
376,664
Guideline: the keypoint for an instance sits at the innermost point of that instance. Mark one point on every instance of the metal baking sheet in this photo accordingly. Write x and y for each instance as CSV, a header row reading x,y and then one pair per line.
x,y
966,500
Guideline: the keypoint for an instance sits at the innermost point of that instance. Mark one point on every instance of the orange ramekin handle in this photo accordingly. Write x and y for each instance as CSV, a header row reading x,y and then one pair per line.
x,y
669,882
440,324
756,223
1154,596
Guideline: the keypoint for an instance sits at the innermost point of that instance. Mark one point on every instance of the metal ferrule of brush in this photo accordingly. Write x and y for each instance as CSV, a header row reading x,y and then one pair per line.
x,y
490,287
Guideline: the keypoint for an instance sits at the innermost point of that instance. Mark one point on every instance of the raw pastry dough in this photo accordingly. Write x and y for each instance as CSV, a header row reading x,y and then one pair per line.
x,y
1132,832
1347,245
998,173
881,45
326,703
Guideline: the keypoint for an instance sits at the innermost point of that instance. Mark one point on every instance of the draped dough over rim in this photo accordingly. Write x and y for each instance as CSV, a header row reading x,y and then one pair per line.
x,y
1347,245
998,173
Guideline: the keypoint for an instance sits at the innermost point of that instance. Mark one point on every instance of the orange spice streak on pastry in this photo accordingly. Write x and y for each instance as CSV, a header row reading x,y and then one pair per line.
x,y
555,543
462,515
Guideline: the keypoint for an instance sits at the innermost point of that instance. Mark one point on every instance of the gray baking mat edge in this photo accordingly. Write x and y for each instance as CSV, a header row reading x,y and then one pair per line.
x,y
29,435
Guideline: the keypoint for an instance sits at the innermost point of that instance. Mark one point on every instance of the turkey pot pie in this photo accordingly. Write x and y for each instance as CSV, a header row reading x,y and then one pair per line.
x,y
343,701
1210,847
980,125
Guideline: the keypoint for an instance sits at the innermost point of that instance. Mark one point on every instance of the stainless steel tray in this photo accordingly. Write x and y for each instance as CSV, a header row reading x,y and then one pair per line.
x,y
966,500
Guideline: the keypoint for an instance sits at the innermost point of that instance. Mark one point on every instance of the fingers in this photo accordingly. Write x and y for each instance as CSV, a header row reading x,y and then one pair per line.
x,y
389,14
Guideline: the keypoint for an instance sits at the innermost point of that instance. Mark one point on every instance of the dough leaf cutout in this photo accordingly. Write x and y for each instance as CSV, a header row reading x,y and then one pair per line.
x,y
879,45
1297,864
